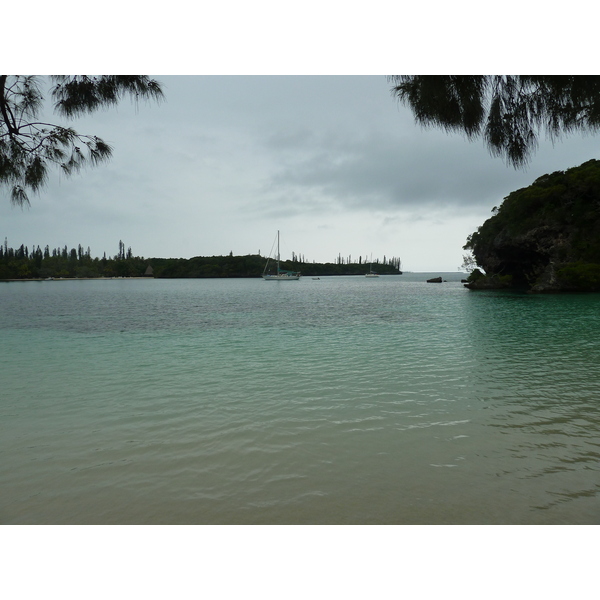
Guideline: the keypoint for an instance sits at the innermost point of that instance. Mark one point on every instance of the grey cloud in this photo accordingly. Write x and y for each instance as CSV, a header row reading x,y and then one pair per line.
x,y
382,170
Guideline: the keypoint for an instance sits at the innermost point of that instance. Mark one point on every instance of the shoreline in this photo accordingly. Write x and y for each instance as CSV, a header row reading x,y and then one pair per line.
x,y
77,279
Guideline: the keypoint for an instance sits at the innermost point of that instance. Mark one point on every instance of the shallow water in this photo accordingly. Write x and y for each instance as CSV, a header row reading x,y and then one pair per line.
x,y
344,400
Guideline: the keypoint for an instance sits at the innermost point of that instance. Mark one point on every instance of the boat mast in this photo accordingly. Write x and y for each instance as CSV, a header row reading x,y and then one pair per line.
x,y
278,252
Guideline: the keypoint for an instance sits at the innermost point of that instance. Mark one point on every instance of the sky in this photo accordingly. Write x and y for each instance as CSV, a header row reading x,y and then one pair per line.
x,y
333,162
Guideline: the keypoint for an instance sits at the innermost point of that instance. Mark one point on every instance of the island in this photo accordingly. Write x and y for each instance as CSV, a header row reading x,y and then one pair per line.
x,y
37,264
543,238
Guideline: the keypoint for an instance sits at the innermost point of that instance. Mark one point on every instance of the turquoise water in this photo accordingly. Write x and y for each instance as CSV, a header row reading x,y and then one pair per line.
x,y
346,400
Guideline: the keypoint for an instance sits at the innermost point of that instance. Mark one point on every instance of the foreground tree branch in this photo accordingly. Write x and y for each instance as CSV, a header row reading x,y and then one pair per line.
x,y
29,147
508,111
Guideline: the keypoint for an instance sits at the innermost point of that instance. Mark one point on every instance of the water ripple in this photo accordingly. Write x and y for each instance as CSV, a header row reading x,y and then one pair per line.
x,y
239,402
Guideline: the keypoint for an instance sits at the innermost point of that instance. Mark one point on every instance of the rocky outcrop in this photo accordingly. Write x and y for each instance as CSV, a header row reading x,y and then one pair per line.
x,y
544,238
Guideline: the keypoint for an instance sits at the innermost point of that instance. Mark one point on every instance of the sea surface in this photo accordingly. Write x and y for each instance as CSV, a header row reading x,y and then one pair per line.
x,y
343,400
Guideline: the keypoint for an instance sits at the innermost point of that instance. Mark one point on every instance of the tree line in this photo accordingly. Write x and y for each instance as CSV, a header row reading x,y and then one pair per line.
x,y
62,262
393,261
38,263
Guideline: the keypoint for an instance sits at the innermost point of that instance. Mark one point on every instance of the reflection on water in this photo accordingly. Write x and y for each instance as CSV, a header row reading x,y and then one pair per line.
x,y
342,400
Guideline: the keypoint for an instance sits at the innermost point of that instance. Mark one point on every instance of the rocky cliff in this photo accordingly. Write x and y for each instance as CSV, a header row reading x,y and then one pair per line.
x,y
544,238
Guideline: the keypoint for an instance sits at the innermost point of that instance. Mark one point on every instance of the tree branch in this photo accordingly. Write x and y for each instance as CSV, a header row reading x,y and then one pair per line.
x,y
4,108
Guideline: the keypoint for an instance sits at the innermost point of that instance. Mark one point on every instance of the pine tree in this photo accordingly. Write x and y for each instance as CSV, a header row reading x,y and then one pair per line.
x,y
508,111
28,148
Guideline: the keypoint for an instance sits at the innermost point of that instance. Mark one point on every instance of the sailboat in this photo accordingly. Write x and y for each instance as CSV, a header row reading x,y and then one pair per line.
x,y
281,274
371,273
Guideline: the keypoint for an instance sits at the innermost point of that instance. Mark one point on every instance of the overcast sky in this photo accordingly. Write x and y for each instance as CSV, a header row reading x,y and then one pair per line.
x,y
333,162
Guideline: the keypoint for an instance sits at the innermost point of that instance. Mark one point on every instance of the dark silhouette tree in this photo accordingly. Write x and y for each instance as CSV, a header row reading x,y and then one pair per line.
x,y
29,147
509,111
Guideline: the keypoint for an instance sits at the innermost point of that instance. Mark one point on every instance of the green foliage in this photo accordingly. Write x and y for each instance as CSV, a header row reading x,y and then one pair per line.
x,y
75,263
550,228
28,147
479,280
79,94
475,275
61,262
564,199
251,266
469,263
580,276
508,111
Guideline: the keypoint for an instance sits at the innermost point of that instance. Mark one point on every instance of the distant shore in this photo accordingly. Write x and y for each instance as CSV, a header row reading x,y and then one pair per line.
x,y
428,276
77,279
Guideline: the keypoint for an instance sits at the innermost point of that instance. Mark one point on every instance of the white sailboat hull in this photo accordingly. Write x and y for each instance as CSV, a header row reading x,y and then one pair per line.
x,y
281,277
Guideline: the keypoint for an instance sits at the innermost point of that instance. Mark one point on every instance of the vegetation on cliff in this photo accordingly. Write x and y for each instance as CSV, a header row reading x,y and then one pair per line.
x,y
545,238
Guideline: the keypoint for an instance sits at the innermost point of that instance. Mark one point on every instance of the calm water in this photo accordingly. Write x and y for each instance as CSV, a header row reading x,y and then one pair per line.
x,y
344,400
